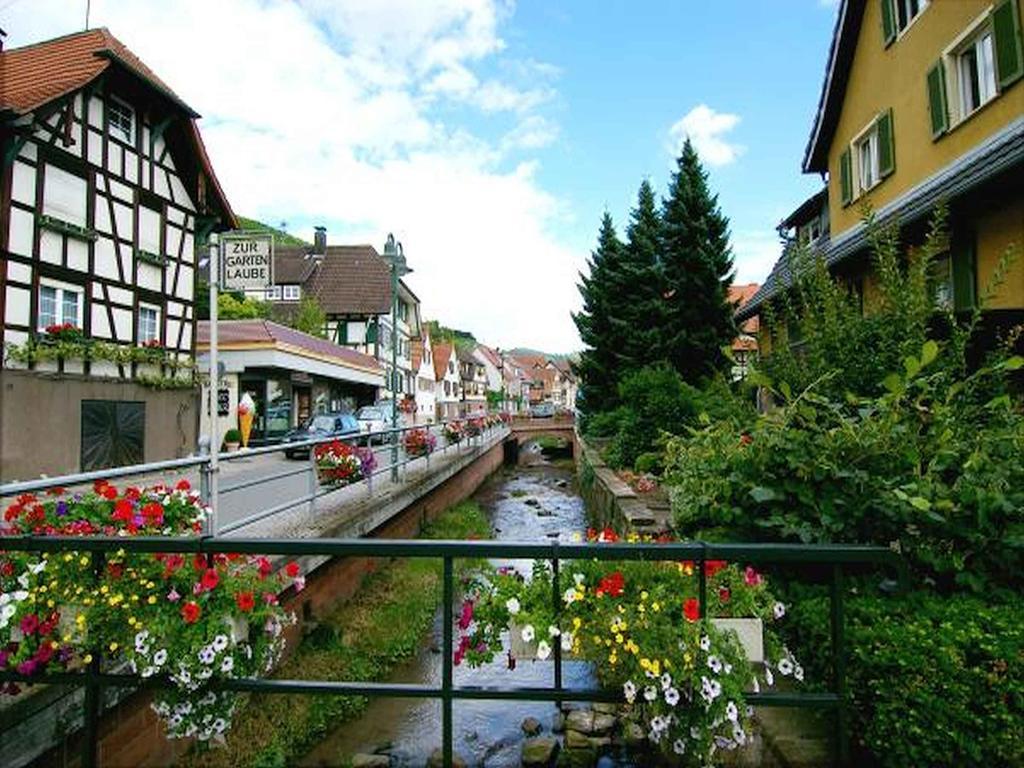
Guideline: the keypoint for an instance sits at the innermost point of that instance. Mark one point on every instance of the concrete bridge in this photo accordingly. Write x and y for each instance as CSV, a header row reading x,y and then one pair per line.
x,y
526,429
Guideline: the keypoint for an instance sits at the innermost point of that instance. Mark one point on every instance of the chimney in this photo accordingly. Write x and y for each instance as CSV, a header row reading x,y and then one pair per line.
x,y
319,241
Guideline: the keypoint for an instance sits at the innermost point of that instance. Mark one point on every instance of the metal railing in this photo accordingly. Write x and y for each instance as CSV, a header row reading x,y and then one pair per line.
x,y
384,442
837,557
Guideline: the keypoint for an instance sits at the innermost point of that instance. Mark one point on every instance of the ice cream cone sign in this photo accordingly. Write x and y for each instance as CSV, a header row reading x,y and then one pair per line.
x,y
246,412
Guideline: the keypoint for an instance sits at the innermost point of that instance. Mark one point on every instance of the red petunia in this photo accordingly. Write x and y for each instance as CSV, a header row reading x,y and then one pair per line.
x,y
190,612
245,601
123,510
612,584
264,567
153,513
183,485
199,562
292,569
752,577
711,567
108,492
691,609
724,594
210,578
132,493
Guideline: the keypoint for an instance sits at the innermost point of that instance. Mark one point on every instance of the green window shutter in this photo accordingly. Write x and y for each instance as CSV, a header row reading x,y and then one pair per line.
x,y
888,22
937,100
343,331
964,271
371,332
845,178
1007,35
886,144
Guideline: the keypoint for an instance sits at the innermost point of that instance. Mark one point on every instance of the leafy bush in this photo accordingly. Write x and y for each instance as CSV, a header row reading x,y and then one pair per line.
x,y
935,681
232,436
932,466
656,400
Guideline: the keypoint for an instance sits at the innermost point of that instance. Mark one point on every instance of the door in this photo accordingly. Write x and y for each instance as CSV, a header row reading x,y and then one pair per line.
x,y
303,405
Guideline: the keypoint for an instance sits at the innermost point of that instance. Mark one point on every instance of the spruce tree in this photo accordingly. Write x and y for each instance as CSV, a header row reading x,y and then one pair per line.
x,y
697,268
597,367
639,287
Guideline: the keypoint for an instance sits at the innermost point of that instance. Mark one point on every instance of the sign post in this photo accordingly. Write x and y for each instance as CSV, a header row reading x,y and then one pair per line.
x,y
238,261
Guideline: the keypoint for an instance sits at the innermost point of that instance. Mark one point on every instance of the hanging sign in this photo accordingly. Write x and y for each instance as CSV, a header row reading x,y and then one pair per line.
x,y
247,261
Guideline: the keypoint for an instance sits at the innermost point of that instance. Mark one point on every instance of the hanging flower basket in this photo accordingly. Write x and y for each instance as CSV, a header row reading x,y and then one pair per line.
x,y
338,464
453,432
195,619
475,426
419,442
638,623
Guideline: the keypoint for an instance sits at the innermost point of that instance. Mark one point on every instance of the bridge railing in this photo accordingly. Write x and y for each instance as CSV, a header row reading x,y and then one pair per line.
x,y
386,444
837,558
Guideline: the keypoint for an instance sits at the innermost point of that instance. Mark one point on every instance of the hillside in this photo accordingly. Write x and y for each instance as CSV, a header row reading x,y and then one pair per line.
x,y
280,236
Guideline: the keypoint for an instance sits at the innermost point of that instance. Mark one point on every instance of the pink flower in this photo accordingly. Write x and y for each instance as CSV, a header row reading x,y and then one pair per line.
x,y
467,615
752,577
173,595
299,583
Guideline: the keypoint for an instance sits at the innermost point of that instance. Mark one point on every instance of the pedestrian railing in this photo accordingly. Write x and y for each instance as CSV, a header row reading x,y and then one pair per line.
x,y
836,558
386,442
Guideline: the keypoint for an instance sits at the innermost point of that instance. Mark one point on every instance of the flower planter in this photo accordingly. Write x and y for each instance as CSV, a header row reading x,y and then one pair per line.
x,y
232,447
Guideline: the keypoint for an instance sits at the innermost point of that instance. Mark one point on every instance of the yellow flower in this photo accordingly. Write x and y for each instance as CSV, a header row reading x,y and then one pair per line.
x,y
104,589
618,639
87,658
112,647
655,667
643,595
655,607
642,608
152,600
645,663
612,658
42,587
50,604
576,622
80,619
83,560
150,585
668,664
68,557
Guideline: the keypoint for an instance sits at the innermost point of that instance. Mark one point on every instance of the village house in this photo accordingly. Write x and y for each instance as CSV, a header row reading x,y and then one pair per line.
x,y
744,346
474,383
448,382
352,284
491,361
922,103
108,200
290,376
426,386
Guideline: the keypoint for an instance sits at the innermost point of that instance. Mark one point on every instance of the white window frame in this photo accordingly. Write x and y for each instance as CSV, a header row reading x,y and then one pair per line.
x,y
291,293
922,6
869,137
273,293
979,28
116,129
942,280
144,308
60,290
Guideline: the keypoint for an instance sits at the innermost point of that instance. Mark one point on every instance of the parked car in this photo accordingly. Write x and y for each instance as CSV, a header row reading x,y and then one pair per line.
x,y
320,426
374,418
542,411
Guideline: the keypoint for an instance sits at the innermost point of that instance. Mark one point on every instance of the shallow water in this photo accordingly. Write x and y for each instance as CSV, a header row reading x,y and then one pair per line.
x,y
486,733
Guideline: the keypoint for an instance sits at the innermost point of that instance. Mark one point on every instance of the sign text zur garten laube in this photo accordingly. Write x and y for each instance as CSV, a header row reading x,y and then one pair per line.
x,y
247,261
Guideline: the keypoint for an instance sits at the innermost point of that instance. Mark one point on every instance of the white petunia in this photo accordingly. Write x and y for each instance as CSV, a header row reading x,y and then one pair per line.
x,y
579,578
207,655
650,693
219,725
798,672
757,686
666,681
512,604
20,595
148,672
5,598
543,650
778,610
205,673
220,642
227,664
785,667
714,664
694,732
705,643
715,689
528,633
671,697
727,667
629,689
567,641
554,631
570,596
679,746
160,657
769,678
738,734
731,712
37,567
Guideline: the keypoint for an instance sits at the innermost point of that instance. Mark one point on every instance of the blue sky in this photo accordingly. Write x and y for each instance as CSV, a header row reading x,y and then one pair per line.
x,y
488,135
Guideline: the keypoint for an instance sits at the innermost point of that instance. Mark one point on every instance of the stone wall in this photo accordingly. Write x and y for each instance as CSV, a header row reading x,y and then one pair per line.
x,y
41,420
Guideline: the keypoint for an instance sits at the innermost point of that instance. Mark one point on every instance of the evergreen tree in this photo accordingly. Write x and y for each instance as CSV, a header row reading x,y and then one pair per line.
x,y
638,287
597,367
697,268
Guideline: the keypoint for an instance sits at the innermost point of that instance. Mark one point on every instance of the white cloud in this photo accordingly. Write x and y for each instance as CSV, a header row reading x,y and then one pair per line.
x,y
706,129
755,253
323,111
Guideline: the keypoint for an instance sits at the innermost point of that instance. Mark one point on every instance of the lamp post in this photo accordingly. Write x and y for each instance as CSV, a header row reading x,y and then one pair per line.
x,y
395,257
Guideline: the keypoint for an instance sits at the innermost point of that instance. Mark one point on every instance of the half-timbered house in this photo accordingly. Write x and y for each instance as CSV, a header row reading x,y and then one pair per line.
x,y
107,196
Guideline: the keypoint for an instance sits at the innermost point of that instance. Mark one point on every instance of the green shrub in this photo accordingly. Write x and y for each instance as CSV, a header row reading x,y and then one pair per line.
x,y
651,462
232,436
933,466
933,680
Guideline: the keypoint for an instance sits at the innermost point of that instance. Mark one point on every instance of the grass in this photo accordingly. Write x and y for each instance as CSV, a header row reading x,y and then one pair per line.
x,y
364,639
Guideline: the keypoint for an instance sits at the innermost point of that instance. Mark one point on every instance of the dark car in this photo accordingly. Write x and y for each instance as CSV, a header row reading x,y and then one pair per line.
x,y
320,426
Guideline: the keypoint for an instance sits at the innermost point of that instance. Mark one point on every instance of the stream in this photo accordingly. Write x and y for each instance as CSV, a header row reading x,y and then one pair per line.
x,y
535,501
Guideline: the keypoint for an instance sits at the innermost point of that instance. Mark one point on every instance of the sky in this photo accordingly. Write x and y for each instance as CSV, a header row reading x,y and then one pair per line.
x,y
489,135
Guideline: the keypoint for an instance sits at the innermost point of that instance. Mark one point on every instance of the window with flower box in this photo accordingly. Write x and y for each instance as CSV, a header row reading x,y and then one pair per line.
x,y
149,324
59,303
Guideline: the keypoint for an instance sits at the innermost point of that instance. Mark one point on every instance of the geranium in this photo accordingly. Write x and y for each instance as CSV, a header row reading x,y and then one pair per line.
x,y
453,432
338,463
245,601
419,442
691,609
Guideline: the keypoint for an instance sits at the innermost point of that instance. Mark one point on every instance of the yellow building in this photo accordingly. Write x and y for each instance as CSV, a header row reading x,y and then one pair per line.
x,y
922,102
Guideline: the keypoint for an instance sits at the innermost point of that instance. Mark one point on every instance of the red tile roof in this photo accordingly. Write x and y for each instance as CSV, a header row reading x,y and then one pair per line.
x,y
264,332
34,75
346,280
740,295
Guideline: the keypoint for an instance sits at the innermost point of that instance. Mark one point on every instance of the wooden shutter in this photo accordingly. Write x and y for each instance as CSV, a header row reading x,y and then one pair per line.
x,y
886,144
888,22
964,270
1007,35
937,107
845,178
